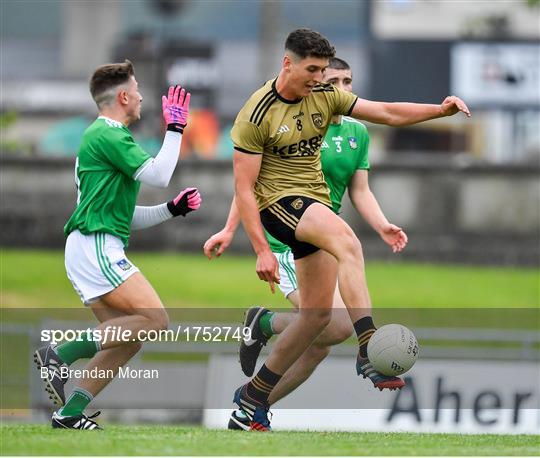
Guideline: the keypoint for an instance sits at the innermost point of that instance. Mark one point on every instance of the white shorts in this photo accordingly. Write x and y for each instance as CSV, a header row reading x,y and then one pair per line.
x,y
96,264
287,272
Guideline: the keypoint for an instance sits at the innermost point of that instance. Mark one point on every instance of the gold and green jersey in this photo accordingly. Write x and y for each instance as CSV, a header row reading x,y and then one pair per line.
x,y
344,151
289,134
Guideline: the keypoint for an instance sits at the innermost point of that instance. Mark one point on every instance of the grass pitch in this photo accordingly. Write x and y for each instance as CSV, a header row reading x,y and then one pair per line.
x,y
37,278
174,440
197,290
34,287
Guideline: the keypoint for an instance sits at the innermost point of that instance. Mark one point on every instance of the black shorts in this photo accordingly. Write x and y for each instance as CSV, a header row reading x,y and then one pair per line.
x,y
281,218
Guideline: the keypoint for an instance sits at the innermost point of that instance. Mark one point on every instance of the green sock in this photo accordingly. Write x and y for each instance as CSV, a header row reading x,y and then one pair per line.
x,y
76,349
265,323
76,403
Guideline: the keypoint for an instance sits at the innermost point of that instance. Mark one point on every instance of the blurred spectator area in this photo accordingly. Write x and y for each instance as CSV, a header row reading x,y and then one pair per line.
x,y
399,50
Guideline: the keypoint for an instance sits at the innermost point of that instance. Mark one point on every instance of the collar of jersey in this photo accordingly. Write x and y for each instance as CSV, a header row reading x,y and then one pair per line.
x,y
283,99
110,119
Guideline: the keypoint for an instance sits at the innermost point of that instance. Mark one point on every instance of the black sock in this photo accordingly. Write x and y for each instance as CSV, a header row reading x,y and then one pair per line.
x,y
262,384
364,328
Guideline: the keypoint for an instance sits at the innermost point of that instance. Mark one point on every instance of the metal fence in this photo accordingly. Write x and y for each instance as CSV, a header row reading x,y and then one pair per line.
x,y
154,398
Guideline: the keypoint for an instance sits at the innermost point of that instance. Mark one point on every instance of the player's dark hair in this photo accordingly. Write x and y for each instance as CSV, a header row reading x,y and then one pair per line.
x,y
308,43
338,64
107,77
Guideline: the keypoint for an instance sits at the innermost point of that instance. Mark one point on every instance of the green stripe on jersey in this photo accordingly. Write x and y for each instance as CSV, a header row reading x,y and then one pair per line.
x,y
100,260
289,269
109,264
105,270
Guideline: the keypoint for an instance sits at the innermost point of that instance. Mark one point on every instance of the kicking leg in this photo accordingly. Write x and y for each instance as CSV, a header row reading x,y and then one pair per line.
x,y
321,227
338,330
299,372
313,316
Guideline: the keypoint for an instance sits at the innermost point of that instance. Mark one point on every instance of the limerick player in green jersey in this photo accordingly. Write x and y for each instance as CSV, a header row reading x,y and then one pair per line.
x,y
109,170
279,185
345,164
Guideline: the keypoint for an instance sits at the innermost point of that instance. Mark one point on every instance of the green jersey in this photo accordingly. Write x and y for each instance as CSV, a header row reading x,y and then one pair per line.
x,y
344,150
107,162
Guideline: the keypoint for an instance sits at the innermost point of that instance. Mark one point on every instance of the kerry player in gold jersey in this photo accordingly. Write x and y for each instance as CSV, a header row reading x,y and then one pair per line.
x,y
345,164
279,185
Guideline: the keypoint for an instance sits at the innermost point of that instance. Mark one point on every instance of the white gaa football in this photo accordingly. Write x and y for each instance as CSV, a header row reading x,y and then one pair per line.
x,y
392,349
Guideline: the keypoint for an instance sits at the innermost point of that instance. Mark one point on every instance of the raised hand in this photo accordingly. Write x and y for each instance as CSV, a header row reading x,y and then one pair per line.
x,y
452,104
176,108
188,200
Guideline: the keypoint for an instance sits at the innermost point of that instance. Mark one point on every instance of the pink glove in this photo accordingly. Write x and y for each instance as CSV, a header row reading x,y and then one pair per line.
x,y
176,108
187,201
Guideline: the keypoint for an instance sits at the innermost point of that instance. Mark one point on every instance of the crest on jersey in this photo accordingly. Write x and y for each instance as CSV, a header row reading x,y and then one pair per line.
x,y
352,142
124,264
297,204
317,119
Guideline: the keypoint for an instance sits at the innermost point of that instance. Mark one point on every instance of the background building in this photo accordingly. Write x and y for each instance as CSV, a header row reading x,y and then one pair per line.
x,y
465,189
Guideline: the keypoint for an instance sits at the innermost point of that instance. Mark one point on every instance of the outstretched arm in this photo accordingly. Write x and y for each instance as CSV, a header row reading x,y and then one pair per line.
x,y
188,200
246,170
221,240
158,171
404,114
365,203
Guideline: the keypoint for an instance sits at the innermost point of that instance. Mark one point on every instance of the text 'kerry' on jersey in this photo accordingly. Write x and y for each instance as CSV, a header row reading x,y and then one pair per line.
x,y
289,134
344,151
